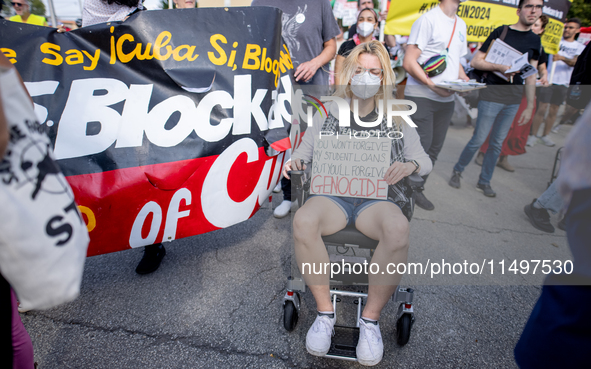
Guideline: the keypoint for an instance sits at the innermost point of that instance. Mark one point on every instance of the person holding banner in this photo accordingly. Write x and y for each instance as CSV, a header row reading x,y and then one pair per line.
x,y
99,11
439,32
499,102
23,14
16,348
555,95
309,29
369,80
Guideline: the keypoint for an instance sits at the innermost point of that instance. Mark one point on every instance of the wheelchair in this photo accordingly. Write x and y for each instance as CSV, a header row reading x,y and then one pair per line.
x,y
351,246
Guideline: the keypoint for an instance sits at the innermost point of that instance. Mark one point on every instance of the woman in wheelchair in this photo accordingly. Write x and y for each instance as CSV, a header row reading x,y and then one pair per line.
x,y
370,79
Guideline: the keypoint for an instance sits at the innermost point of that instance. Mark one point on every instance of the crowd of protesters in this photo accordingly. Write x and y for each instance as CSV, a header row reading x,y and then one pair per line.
x,y
511,112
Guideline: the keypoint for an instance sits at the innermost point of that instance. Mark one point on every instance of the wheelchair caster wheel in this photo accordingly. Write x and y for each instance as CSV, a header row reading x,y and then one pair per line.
x,y
290,316
403,329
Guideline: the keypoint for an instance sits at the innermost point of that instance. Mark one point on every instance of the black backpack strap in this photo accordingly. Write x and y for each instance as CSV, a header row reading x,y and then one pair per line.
x,y
504,33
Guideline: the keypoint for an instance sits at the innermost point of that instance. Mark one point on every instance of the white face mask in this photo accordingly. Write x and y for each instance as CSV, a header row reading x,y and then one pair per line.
x,y
365,85
365,29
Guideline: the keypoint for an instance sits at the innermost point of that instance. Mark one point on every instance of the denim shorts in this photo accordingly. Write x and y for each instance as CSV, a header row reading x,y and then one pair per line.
x,y
353,206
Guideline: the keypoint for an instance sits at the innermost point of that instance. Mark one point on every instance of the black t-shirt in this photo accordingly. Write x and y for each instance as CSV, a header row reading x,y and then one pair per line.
x,y
543,58
524,42
346,48
581,72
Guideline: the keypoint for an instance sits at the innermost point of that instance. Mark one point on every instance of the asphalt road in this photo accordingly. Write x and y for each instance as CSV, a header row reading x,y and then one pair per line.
x,y
216,300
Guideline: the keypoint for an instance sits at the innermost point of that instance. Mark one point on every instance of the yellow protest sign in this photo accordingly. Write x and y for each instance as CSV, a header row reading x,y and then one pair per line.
x,y
481,17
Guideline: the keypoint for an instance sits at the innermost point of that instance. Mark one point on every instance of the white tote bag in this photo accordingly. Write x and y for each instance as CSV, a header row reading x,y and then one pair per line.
x,y
43,238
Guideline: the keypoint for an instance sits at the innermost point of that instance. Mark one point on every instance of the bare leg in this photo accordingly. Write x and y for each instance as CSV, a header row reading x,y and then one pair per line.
x,y
319,216
551,119
386,223
539,118
569,113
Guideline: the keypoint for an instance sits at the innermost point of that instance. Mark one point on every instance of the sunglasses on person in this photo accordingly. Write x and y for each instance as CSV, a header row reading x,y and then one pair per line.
x,y
17,4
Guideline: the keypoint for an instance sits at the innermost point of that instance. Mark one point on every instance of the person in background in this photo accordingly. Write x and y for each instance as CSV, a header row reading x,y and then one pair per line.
x,y
185,4
557,331
365,4
539,28
23,14
99,11
517,138
556,94
497,107
367,23
537,211
579,91
16,348
436,32
309,29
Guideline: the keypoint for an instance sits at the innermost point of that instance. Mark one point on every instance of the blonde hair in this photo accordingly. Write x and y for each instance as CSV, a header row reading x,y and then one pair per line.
x,y
350,65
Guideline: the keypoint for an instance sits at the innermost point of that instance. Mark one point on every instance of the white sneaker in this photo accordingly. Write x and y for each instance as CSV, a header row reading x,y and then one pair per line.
x,y
370,348
282,210
319,335
547,141
556,129
277,188
531,141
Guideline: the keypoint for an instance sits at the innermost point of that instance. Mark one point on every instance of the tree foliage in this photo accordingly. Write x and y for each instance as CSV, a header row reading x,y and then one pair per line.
x,y
37,7
164,4
581,9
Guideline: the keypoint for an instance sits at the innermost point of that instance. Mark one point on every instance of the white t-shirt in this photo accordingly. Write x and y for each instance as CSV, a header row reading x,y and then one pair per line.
x,y
431,33
563,72
97,11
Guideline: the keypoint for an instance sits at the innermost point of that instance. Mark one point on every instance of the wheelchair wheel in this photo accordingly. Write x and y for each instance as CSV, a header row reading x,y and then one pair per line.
x,y
290,316
403,329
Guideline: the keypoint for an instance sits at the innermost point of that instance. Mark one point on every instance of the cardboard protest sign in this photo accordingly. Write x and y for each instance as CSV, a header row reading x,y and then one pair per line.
x,y
350,167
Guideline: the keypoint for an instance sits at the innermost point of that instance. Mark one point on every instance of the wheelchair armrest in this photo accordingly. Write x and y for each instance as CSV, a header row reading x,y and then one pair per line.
x,y
415,181
299,182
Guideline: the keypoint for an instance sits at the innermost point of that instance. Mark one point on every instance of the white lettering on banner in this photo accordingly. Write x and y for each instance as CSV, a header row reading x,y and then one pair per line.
x,y
38,89
203,126
172,218
135,238
219,209
158,116
217,205
278,112
245,105
173,215
135,114
90,99
83,107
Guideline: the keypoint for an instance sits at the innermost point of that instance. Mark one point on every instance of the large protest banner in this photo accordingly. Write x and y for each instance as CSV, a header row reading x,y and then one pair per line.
x,y
482,17
163,123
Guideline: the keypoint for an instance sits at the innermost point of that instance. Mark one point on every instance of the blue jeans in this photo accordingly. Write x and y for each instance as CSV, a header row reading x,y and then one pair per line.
x,y
551,199
497,117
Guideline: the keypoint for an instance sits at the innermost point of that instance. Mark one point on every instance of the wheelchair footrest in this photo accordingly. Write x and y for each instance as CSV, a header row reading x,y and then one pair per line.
x,y
344,342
